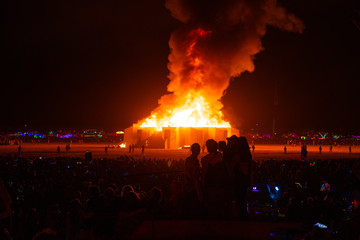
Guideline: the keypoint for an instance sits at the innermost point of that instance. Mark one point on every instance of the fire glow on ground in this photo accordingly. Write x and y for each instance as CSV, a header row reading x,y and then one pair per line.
x,y
262,152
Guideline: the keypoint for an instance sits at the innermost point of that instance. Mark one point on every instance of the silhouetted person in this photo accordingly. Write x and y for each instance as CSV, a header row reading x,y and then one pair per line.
x,y
253,148
19,149
5,208
242,171
214,180
106,149
222,146
142,149
58,149
285,149
350,149
132,148
320,149
229,153
331,148
192,195
238,160
303,153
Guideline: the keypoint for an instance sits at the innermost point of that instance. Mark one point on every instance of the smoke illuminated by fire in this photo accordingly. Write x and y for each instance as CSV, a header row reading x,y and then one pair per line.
x,y
194,109
218,41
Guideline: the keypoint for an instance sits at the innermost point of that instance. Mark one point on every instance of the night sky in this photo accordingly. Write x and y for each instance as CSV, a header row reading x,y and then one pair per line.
x,y
103,64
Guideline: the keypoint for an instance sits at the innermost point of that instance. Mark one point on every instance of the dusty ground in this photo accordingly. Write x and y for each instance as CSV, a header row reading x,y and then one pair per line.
x,y
262,152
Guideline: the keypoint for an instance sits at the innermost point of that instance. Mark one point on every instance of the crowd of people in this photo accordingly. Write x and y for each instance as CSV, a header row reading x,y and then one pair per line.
x,y
76,198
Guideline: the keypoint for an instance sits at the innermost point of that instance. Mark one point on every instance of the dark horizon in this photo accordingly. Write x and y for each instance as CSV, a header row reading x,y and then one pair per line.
x,y
104,65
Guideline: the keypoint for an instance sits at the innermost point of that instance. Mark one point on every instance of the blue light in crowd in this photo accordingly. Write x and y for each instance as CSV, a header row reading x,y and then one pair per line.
x,y
68,166
276,188
320,225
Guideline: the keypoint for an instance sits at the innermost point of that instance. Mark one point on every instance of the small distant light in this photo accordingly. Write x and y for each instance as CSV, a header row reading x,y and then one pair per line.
x,y
68,166
320,225
277,188
125,174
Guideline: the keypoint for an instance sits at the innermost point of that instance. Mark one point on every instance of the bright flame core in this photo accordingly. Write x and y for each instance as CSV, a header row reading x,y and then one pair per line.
x,y
196,112
194,108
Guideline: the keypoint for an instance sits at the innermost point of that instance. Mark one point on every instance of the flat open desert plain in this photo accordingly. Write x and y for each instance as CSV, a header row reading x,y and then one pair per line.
x,y
262,152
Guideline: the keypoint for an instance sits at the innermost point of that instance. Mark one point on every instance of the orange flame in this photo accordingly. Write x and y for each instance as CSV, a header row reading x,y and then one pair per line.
x,y
194,109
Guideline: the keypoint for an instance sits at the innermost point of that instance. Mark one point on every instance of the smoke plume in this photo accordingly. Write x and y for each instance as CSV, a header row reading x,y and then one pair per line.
x,y
217,41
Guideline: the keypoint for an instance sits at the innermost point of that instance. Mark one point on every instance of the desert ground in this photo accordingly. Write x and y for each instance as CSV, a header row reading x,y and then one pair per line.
x,y
262,152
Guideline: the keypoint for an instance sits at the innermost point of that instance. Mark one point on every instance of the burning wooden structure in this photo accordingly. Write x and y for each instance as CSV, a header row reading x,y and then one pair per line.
x,y
210,50
175,137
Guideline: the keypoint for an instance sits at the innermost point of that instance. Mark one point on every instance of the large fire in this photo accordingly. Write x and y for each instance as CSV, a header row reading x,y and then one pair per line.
x,y
216,43
193,109
196,112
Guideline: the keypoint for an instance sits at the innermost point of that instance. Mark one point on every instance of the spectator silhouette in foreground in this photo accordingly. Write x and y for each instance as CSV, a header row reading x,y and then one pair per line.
x,y
192,195
222,146
214,180
238,159
5,208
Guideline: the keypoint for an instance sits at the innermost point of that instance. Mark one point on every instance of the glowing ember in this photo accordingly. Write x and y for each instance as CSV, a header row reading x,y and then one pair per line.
x,y
193,109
